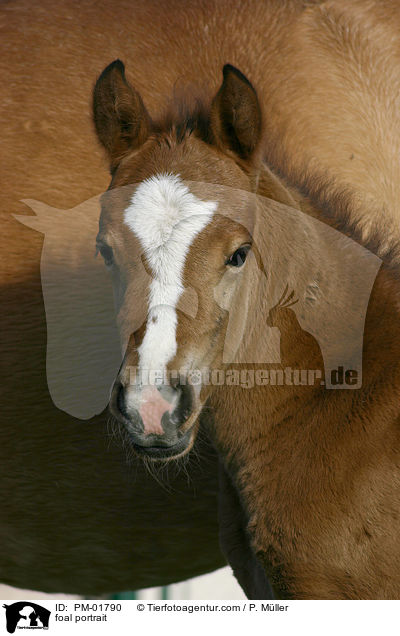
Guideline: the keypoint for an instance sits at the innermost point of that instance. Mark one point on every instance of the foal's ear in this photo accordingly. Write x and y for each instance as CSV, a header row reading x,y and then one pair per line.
x,y
236,114
120,117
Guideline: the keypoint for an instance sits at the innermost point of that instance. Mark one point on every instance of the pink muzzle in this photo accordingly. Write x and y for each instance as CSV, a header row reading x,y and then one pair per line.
x,y
152,408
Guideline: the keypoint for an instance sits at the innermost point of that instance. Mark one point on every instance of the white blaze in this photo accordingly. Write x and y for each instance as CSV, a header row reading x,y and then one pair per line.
x,y
166,217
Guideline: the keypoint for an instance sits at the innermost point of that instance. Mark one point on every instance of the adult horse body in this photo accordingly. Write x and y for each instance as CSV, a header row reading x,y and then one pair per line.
x,y
314,472
318,111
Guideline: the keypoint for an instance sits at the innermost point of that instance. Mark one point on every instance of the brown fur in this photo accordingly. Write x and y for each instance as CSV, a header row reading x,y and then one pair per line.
x,y
327,76
315,470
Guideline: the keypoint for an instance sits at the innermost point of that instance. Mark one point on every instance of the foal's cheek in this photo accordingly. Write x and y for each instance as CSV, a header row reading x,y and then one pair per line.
x,y
130,322
224,291
188,302
131,307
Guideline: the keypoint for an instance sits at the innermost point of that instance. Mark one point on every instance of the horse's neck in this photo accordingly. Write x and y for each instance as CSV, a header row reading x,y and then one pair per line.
x,y
334,280
328,275
279,441
324,258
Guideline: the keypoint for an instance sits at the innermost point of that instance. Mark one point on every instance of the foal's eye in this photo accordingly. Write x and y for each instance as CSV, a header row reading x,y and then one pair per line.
x,y
238,258
107,254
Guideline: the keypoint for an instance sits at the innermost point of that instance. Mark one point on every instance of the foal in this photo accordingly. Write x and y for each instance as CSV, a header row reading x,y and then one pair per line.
x,y
198,271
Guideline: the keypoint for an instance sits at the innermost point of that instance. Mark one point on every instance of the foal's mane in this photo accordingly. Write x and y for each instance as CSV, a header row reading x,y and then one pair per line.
x,y
186,114
339,207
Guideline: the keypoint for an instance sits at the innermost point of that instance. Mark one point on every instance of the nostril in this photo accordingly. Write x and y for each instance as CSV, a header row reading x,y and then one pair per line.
x,y
184,405
174,382
121,400
169,392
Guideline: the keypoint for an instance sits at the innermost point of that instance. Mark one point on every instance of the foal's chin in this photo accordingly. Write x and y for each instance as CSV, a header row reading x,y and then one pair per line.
x,y
159,448
158,453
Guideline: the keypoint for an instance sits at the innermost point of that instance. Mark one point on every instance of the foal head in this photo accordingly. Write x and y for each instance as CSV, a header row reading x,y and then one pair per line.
x,y
176,234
